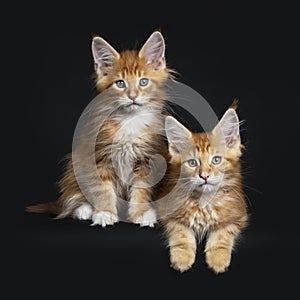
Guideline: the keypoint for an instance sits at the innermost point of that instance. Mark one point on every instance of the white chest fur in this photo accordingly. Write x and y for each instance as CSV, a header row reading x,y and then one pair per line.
x,y
131,140
135,126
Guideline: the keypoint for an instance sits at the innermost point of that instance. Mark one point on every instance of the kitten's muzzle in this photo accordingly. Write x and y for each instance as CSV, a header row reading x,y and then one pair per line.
x,y
204,180
134,103
204,176
132,97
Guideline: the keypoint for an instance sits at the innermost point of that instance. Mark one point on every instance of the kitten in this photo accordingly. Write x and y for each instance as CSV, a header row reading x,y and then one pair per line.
x,y
133,86
208,198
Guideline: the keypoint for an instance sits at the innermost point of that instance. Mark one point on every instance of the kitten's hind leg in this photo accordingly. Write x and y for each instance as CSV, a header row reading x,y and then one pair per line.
x,y
83,212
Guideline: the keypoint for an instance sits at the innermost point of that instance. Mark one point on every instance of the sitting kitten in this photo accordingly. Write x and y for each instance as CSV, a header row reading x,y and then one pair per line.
x,y
134,82
208,198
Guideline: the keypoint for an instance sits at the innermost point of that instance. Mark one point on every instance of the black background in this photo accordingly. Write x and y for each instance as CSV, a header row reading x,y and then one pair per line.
x,y
223,50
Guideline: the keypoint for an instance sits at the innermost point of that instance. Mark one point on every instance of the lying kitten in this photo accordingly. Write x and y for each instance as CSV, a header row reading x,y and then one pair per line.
x,y
208,198
134,86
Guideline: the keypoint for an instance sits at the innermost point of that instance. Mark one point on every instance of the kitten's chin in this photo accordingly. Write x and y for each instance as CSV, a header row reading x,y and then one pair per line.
x,y
206,188
133,107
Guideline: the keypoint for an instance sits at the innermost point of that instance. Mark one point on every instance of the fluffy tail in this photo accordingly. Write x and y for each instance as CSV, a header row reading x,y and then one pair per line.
x,y
50,207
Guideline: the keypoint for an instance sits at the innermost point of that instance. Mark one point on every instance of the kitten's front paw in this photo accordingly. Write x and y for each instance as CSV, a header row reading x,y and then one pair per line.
x,y
181,259
148,218
218,259
104,218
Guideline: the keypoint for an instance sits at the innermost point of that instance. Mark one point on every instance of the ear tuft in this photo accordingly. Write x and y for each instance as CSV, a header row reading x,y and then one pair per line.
x,y
234,104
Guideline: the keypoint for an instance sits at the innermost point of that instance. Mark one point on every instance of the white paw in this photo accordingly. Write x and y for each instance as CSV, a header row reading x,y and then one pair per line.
x,y
83,212
147,219
104,218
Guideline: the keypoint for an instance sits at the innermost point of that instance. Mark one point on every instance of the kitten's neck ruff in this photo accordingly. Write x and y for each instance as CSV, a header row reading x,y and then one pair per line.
x,y
204,198
201,197
135,123
135,139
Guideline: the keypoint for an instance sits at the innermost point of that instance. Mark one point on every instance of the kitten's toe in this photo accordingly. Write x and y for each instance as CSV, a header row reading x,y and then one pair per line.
x,y
218,259
83,212
104,218
149,218
181,259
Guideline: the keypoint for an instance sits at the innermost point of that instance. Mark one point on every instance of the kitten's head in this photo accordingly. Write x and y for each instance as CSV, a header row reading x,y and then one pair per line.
x,y
133,77
206,161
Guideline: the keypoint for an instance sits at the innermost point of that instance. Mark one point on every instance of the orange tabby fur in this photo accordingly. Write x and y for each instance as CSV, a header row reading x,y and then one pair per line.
x,y
128,66
220,212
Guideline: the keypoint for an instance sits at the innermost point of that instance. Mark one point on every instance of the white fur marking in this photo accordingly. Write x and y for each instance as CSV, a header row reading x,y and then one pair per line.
x,y
135,125
147,219
84,212
104,218
124,154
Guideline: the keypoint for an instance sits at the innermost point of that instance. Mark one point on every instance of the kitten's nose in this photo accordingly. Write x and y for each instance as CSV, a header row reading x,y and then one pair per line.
x,y
204,175
132,96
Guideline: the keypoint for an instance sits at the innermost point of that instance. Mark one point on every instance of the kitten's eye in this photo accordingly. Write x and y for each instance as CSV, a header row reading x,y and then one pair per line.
x,y
216,160
193,163
120,84
144,81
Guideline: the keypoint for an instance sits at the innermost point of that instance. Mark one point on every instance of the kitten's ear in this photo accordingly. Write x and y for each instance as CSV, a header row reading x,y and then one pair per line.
x,y
178,136
154,51
227,129
104,55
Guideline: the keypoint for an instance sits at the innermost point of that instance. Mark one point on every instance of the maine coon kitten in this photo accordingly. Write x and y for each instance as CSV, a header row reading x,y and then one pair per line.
x,y
208,199
134,83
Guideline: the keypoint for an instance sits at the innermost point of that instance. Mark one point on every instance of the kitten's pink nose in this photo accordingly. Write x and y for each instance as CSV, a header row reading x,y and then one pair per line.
x,y
204,175
132,97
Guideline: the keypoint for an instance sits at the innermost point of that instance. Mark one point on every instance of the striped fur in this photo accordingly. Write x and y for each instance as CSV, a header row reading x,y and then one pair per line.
x,y
128,138
217,209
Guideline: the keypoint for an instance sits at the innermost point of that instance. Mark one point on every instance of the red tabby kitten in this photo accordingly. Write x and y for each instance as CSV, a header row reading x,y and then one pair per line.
x,y
208,198
133,82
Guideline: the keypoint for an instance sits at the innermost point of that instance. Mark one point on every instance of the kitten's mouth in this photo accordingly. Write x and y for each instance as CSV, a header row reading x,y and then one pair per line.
x,y
133,105
204,184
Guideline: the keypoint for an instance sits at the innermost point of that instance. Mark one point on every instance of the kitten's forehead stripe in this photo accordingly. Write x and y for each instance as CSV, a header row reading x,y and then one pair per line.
x,y
202,142
130,64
